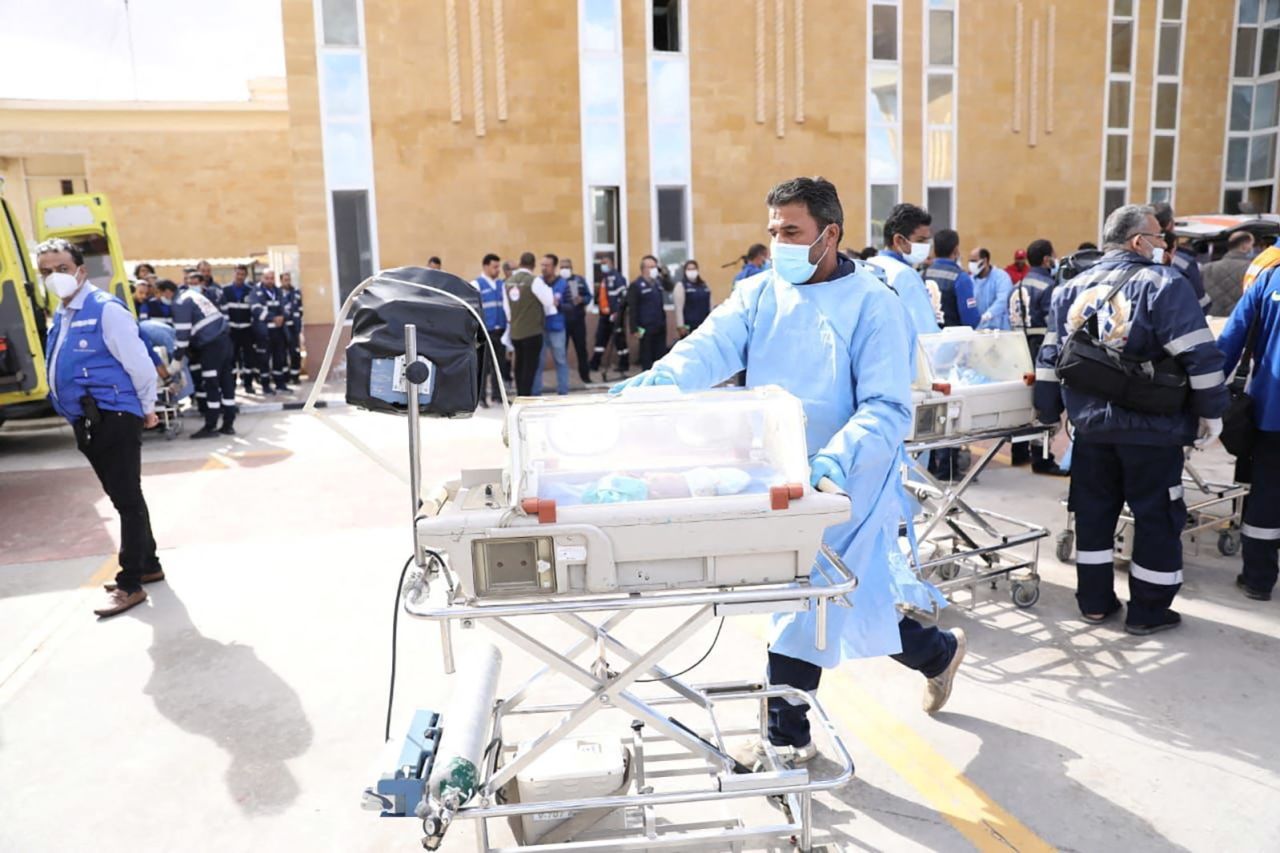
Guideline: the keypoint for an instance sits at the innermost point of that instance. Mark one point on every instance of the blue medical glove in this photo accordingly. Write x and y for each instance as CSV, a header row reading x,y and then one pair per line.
x,y
656,376
825,466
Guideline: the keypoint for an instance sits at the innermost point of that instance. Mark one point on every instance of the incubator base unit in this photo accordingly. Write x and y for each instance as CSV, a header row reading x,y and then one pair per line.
x,y
575,768
651,491
971,381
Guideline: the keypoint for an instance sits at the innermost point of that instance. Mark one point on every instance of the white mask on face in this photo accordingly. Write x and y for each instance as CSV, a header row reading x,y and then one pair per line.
x,y
975,267
566,273
691,275
61,283
919,253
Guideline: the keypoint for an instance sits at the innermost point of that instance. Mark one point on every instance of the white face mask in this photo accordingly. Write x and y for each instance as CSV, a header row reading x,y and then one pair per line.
x,y
566,273
606,269
61,283
691,275
975,267
919,253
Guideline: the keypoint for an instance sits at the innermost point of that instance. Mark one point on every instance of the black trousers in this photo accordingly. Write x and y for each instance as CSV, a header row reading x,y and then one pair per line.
x,y
218,379
273,358
1023,452
1261,529
653,345
1104,477
528,363
928,650
503,375
243,357
114,449
615,330
295,356
576,328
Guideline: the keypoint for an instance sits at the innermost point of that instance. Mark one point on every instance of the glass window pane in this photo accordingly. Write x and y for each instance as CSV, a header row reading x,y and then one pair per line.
x,y
1117,157
344,90
1246,41
1112,198
1269,56
883,198
1167,106
941,37
1273,10
941,164
941,100
599,25
1261,157
351,240
1170,41
1264,106
882,154
1237,159
671,215
882,106
1231,201
604,216
1172,10
666,25
884,32
601,87
1248,11
1258,199
939,207
1241,107
340,25
1121,47
1162,159
1118,106
1159,194
348,160
1123,8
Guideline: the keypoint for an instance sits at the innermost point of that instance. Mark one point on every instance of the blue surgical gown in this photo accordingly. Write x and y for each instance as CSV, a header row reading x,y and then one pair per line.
x,y
843,347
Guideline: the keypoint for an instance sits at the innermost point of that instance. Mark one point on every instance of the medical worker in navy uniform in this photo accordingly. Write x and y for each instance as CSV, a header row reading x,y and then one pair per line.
x,y
102,380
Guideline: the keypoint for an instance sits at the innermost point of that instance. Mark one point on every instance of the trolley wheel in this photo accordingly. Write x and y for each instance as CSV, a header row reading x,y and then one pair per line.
x,y
1065,546
948,571
1025,593
1229,543
170,435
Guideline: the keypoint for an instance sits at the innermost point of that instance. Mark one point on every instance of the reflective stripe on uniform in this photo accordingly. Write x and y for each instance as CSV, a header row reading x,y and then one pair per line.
x,y
241,325
1094,557
213,404
1205,381
1046,374
206,321
1050,339
1175,493
181,327
1206,301
1269,534
207,374
1157,578
1189,341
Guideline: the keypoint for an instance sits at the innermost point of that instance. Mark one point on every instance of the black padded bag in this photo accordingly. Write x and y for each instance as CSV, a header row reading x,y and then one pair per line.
x,y
449,338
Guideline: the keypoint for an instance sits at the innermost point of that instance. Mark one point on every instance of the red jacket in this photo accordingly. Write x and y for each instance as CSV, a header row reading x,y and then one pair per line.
x,y
1016,273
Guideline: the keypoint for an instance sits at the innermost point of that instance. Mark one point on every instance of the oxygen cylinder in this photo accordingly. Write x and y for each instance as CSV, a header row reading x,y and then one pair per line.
x,y
465,726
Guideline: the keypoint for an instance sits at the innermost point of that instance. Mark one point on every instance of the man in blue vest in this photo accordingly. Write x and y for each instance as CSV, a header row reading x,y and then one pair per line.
x,y
574,308
102,380
647,311
204,338
235,302
955,288
495,322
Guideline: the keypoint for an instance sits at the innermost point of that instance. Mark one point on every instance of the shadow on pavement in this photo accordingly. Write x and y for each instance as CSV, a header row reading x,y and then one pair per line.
x,y
223,692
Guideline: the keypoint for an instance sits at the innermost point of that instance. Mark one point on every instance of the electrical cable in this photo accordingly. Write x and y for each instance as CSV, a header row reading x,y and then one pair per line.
x,y
691,666
395,621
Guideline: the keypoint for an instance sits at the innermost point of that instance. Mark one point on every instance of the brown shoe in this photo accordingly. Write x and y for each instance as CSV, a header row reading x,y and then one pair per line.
x,y
119,601
149,577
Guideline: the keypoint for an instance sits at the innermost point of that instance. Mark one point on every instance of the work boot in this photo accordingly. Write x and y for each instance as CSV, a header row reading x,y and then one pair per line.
x,y
149,577
118,601
1163,622
937,690
227,429
1250,592
752,754
206,431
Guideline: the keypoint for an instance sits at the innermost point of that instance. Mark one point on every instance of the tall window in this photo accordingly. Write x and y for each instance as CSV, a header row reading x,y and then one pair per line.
x,y
352,245
1250,171
1118,133
884,115
606,236
673,231
940,112
670,150
666,25
1165,104
604,168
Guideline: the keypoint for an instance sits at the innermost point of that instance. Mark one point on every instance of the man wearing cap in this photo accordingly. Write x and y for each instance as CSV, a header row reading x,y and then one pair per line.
x,y
1019,268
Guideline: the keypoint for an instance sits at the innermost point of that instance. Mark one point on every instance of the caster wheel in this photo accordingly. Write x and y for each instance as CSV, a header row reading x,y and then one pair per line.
x,y
1229,543
948,571
1065,547
170,435
1025,593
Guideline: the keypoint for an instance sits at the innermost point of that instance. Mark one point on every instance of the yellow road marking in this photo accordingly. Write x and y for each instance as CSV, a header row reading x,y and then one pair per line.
x,y
969,809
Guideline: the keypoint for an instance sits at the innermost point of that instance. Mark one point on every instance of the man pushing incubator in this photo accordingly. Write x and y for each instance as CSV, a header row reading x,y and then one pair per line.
x,y
833,334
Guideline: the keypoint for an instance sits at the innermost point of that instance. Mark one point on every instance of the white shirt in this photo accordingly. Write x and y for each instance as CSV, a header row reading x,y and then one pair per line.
x,y
120,334
541,291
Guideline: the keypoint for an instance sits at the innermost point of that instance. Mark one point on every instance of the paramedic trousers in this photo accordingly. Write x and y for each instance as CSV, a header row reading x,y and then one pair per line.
x,y
576,327
502,375
653,345
1104,477
615,330
927,650
528,363
295,355
1261,530
244,358
273,359
218,379
114,449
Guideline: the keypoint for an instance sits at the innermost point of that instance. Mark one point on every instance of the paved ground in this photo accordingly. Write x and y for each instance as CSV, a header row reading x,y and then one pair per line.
x,y
242,708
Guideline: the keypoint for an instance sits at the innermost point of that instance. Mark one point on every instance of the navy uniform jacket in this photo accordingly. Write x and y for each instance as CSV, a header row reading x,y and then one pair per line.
x,y
1153,314
1033,296
196,321
955,287
613,293
265,305
1184,261
235,304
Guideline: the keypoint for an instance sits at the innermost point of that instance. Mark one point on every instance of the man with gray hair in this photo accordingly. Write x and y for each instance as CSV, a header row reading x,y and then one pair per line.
x,y
1129,448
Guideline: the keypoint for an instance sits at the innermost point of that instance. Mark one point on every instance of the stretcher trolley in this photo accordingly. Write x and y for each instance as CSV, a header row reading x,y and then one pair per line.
x,y
971,387
1214,510
615,531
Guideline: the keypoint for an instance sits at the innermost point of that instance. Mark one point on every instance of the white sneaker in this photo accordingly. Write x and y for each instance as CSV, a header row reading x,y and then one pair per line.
x,y
937,690
752,754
